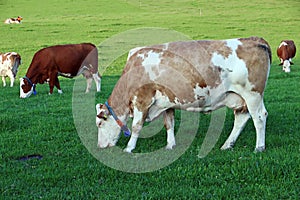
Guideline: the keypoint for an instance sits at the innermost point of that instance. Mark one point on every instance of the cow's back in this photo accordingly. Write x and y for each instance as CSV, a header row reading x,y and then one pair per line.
x,y
190,62
64,58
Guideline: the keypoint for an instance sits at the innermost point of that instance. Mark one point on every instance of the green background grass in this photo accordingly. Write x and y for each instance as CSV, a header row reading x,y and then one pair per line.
x,y
44,124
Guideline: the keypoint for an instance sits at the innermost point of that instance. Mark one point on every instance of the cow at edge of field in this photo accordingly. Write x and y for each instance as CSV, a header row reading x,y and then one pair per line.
x,y
61,60
9,65
286,51
198,76
17,20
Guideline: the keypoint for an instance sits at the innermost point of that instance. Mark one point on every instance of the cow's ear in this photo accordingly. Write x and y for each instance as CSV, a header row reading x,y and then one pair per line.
x,y
101,113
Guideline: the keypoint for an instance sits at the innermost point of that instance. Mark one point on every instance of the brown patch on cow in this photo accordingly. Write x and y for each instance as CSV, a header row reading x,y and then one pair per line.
x,y
256,54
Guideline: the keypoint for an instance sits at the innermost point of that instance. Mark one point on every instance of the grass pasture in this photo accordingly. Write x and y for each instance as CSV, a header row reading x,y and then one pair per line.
x,y
45,125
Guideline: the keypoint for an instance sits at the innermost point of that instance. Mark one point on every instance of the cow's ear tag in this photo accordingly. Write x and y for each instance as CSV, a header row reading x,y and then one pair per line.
x,y
34,92
104,116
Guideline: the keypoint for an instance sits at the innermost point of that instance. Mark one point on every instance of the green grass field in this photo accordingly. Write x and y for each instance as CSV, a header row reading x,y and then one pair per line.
x,y
48,126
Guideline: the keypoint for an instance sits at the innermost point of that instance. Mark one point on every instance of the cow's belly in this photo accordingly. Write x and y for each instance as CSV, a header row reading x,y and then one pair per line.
x,y
205,104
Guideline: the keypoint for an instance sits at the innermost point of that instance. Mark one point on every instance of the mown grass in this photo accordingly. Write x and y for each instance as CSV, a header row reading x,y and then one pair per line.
x,y
45,125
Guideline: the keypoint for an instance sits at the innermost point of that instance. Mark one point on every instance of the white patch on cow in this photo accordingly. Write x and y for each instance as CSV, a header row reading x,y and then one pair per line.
x,y
65,74
161,103
282,44
151,64
286,66
138,115
234,69
200,92
166,46
133,51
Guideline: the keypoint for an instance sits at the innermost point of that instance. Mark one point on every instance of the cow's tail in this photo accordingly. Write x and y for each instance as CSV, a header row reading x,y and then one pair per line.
x,y
16,62
265,46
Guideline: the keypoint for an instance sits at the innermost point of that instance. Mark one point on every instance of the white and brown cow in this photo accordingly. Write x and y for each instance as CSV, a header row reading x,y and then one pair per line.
x,y
65,60
199,76
17,20
9,65
286,51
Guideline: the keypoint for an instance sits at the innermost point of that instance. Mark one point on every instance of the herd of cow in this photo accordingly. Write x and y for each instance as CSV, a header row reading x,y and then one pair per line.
x,y
197,76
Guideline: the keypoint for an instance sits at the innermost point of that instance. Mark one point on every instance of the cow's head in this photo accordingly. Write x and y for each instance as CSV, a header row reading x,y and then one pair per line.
x,y
286,66
108,129
26,87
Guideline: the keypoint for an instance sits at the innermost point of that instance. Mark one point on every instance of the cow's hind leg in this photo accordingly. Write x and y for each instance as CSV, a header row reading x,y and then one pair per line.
x,y
12,80
3,81
54,82
259,115
88,84
169,123
240,120
97,79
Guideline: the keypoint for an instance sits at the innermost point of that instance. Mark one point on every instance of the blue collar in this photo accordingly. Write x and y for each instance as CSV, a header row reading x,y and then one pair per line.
x,y
32,84
124,128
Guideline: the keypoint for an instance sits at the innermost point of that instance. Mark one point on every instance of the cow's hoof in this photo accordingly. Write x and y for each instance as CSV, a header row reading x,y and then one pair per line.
x,y
60,91
259,149
170,146
127,150
227,146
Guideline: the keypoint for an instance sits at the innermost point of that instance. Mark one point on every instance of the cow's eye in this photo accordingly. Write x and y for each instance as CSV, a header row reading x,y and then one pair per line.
x,y
102,115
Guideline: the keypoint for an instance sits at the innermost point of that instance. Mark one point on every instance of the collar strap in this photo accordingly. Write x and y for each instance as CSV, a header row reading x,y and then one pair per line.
x,y
124,128
32,84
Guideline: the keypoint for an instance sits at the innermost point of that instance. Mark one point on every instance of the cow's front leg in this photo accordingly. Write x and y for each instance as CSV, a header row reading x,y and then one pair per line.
x,y
137,124
169,123
133,139
54,82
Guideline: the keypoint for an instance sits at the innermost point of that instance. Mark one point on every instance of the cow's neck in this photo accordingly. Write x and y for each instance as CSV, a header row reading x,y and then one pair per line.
x,y
119,108
119,101
32,76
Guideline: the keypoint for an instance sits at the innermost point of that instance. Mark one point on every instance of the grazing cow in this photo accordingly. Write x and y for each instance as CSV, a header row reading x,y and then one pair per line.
x,y
199,76
9,65
65,60
13,20
286,51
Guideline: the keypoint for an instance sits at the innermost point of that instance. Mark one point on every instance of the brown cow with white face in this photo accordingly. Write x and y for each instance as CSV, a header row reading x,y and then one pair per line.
x,y
65,60
286,51
198,76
